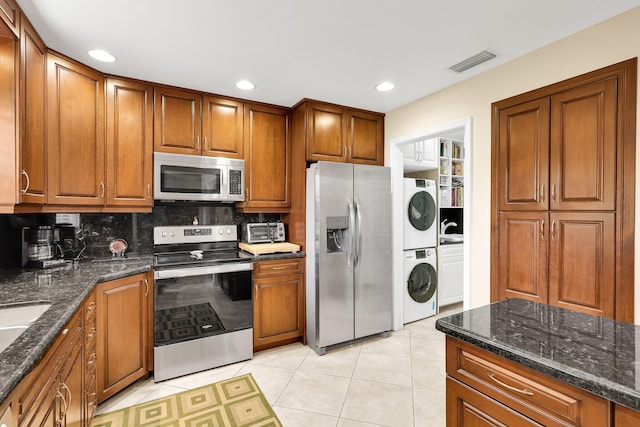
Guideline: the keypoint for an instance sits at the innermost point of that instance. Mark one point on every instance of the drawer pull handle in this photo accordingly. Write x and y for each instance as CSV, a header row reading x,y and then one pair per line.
x,y
280,268
517,390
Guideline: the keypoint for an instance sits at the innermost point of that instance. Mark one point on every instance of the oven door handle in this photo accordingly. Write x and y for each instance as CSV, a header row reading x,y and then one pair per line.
x,y
199,271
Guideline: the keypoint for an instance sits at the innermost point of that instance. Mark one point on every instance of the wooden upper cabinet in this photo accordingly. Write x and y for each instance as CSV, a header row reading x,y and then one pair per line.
x,y
365,138
582,262
524,156
341,134
326,136
222,127
129,143
76,137
10,14
583,147
177,121
267,159
33,119
187,122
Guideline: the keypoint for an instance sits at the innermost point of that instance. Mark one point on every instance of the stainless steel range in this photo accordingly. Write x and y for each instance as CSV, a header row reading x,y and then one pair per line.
x,y
203,299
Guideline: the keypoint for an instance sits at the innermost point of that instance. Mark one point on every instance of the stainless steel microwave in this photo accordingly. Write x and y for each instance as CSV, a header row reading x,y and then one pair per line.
x,y
201,178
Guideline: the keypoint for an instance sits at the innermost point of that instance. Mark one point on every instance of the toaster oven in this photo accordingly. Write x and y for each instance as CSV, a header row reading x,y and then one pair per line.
x,y
263,232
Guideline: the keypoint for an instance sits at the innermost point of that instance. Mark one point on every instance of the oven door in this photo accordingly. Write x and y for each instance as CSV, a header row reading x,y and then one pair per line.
x,y
203,318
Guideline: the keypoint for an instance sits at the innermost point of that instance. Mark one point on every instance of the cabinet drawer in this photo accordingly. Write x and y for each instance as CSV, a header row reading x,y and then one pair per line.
x,y
541,398
278,267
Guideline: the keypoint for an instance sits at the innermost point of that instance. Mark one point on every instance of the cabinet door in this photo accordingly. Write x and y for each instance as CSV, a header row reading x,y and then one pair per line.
x,y
177,121
267,156
582,262
222,127
523,156
326,132
450,274
10,14
523,260
625,417
33,152
365,138
583,147
467,407
277,310
129,143
76,140
71,387
123,328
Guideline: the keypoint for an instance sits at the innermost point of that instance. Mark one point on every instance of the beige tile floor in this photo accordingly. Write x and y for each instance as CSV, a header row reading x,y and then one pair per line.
x,y
394,381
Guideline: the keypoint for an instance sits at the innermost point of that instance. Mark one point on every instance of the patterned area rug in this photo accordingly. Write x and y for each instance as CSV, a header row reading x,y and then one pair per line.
x,y
237,402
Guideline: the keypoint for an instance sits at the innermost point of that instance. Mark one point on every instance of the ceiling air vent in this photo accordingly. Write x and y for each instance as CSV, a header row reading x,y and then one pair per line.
x,y
478,59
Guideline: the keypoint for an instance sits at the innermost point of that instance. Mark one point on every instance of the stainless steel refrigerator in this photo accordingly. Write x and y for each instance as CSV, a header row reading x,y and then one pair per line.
x,y
348,263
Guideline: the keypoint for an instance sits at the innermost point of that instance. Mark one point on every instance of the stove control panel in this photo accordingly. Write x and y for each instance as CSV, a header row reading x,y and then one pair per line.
x,y
174,234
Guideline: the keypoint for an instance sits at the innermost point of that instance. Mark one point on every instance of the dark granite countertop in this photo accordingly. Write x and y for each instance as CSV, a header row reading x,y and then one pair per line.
x,y
593,353
65,288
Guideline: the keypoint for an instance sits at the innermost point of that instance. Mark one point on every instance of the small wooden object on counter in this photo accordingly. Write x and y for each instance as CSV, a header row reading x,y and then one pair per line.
x,y
278,296
269,248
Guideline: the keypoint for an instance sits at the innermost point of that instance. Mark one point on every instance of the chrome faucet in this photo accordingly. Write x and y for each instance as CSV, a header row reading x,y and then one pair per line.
x,y
443,226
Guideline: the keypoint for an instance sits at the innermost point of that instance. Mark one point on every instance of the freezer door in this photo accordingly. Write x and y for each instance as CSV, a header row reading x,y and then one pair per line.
x,y
334,269
373,266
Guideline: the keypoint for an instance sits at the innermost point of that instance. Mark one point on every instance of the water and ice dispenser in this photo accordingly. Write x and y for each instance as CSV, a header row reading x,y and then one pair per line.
x,y
338,234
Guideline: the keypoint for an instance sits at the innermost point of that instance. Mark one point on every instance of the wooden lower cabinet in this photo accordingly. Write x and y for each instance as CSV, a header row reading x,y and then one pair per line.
x,y
624,417
278,302
53,393
123,329
566,259
467,407
485,389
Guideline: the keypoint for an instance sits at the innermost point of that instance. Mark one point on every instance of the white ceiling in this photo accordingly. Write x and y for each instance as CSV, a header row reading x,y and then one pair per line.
x,y
331,50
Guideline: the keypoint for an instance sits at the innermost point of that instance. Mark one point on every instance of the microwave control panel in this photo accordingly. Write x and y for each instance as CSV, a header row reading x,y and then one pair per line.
x,y
235,182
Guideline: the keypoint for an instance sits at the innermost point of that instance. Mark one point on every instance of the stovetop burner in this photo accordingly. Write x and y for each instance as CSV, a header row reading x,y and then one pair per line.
x,y
194,246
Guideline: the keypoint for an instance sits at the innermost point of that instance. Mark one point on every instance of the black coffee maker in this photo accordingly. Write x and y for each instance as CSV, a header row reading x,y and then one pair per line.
x,y
39,248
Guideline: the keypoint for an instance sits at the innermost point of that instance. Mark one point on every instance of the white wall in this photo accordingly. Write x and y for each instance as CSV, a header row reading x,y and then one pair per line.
x,y
604,44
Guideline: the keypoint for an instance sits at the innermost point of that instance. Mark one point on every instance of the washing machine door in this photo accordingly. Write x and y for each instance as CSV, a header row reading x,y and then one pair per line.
x,y
422,283
422,210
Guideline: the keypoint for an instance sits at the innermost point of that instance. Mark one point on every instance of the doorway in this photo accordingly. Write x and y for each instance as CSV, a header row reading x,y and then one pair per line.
x,y
459,130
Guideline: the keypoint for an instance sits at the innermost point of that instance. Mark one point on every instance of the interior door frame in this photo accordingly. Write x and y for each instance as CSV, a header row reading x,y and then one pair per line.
x,y
396,160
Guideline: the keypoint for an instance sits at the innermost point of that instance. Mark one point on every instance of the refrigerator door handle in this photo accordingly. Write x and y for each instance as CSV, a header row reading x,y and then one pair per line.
x,y
352,224
358,249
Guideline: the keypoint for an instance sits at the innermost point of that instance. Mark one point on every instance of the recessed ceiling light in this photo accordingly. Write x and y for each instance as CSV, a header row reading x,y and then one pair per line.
x,y
385,86
102,55
245,85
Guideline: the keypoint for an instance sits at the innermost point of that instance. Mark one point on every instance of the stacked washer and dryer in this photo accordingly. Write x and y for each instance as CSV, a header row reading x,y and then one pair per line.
x,y
420,230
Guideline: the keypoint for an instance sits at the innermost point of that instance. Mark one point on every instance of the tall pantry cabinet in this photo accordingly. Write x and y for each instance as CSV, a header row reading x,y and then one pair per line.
x,y
563,193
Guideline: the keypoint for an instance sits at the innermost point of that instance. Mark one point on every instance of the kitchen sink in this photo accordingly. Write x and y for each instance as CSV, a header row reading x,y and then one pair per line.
x,y
16,318
451,238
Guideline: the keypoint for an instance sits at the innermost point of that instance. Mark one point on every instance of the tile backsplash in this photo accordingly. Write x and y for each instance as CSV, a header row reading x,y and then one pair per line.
x,y
98,230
